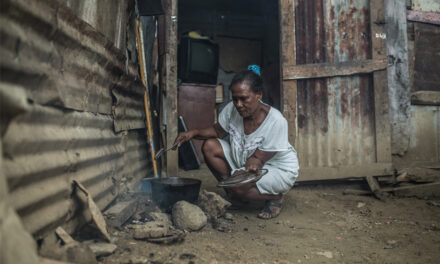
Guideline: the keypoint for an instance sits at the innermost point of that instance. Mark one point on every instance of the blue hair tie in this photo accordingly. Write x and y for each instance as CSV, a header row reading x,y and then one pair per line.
x,y
255,69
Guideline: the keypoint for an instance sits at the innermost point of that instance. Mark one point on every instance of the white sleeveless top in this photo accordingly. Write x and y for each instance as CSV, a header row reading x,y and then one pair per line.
x,y
270,136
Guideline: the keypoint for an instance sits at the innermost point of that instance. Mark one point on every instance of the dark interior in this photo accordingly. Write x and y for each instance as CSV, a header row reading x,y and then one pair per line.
x,y
247,32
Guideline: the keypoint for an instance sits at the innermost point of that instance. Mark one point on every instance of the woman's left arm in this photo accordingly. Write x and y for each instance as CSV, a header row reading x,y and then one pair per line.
x,y
257,160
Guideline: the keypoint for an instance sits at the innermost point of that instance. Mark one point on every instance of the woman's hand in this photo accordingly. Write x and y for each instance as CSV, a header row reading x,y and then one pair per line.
x,y
184,137
237,172
257,160
253,164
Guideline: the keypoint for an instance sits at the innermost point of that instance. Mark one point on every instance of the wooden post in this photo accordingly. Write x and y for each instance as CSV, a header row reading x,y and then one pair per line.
x,y
398,76
381,102
288,57
171,85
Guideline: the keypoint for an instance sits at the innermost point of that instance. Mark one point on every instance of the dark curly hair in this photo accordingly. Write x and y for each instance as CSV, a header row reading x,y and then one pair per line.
x,y
250,78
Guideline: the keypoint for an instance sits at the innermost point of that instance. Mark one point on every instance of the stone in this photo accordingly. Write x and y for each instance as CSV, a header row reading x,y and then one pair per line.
x,y
222,225
327,254
79,253
212,204
101,249
154,229
360,204
229,217
136,260
188,216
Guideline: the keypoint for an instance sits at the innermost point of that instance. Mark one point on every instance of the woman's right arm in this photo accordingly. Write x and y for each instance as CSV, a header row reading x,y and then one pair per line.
x,y
215,131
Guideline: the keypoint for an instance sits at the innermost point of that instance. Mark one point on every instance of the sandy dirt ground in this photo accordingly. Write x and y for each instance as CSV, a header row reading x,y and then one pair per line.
x,y
318,224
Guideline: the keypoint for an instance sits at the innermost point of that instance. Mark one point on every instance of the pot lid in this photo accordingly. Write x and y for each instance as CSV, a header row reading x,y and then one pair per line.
x,y
242,178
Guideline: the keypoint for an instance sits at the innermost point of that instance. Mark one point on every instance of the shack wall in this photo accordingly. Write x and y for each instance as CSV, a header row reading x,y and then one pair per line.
x,y
82,103
334,88
424,65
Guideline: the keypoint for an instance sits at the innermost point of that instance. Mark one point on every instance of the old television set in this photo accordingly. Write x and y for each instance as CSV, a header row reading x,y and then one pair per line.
x,y
198,60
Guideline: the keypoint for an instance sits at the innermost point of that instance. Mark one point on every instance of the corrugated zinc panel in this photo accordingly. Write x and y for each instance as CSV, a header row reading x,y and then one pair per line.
x,y
46,148
61,60
335,115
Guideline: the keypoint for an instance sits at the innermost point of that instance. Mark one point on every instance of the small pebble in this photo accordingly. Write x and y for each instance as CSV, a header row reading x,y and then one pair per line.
x,y
327,254
391,242
187,256
229,216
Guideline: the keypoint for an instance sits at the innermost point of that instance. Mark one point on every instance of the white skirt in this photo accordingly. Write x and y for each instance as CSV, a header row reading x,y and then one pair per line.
x,y
276,181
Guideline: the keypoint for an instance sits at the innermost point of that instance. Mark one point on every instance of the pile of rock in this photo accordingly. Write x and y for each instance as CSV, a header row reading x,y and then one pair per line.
x,y
185,217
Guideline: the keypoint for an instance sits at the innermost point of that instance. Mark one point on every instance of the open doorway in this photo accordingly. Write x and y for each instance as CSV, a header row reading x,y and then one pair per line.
x,y
245,32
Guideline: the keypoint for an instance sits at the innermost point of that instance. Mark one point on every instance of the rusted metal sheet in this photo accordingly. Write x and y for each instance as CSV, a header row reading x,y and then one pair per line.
x,y
66,71
335,115
106,16
46,148
58,58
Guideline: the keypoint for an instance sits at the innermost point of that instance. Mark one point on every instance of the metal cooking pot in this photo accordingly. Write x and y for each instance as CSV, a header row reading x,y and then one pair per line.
x,y
167,191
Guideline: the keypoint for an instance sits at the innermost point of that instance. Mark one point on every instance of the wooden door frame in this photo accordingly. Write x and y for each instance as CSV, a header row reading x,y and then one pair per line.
x,y
172,161
377,66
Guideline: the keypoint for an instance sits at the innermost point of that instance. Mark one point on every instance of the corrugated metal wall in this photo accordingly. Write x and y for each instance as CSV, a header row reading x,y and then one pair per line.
x,y
85,113
335,115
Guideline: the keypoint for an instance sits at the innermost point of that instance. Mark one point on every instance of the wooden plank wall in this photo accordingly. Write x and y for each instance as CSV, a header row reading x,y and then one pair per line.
x,y
288,57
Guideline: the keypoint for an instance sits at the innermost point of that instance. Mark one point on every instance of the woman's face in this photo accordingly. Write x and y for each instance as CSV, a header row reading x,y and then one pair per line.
x,y
245,100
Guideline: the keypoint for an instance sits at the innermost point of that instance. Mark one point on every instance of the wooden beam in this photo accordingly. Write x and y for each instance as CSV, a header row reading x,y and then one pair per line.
x,y
417,190
171,86
425,98
399,89
374,187
381,102
424,17
321,70
344,172
288,57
